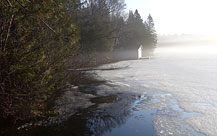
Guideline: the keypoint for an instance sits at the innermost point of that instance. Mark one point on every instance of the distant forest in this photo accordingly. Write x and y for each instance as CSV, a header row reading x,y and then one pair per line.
x,y
41,39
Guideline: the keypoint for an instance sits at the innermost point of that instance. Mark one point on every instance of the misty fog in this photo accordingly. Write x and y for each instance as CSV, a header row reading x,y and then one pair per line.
x,y
187,44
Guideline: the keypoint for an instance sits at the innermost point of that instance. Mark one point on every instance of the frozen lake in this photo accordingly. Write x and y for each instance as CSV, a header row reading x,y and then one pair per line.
x,y
190,79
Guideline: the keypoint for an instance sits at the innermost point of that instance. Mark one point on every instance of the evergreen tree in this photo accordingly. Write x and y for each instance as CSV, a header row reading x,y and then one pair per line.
x,y
130,19
37,38
151,35
136,32
97,24
137,17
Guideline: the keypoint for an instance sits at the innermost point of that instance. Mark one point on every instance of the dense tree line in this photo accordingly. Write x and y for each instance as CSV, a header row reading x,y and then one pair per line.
x,y
136,32
40,39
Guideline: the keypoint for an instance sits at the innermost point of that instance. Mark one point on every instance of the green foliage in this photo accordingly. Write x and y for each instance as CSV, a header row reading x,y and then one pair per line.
x,y
37,37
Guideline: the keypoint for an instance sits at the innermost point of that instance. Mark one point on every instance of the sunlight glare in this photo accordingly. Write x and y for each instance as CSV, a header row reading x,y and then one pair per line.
x,y
183,16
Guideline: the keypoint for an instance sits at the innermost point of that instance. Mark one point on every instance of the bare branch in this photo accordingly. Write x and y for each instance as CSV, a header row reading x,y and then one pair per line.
x,y
8,31
47,25
9,3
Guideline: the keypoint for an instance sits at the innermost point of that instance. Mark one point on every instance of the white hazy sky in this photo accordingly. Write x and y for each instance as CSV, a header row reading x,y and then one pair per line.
x,y
179,16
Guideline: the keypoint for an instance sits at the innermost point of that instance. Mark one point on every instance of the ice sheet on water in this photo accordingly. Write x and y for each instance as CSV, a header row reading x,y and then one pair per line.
x,y
190,78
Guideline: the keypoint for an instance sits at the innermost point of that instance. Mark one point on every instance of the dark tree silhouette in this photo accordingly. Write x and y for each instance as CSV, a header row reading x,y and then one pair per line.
x,y
151,36
137,32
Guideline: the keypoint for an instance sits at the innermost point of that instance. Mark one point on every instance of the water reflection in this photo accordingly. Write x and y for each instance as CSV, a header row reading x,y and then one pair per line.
x,y
124,114
110,112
